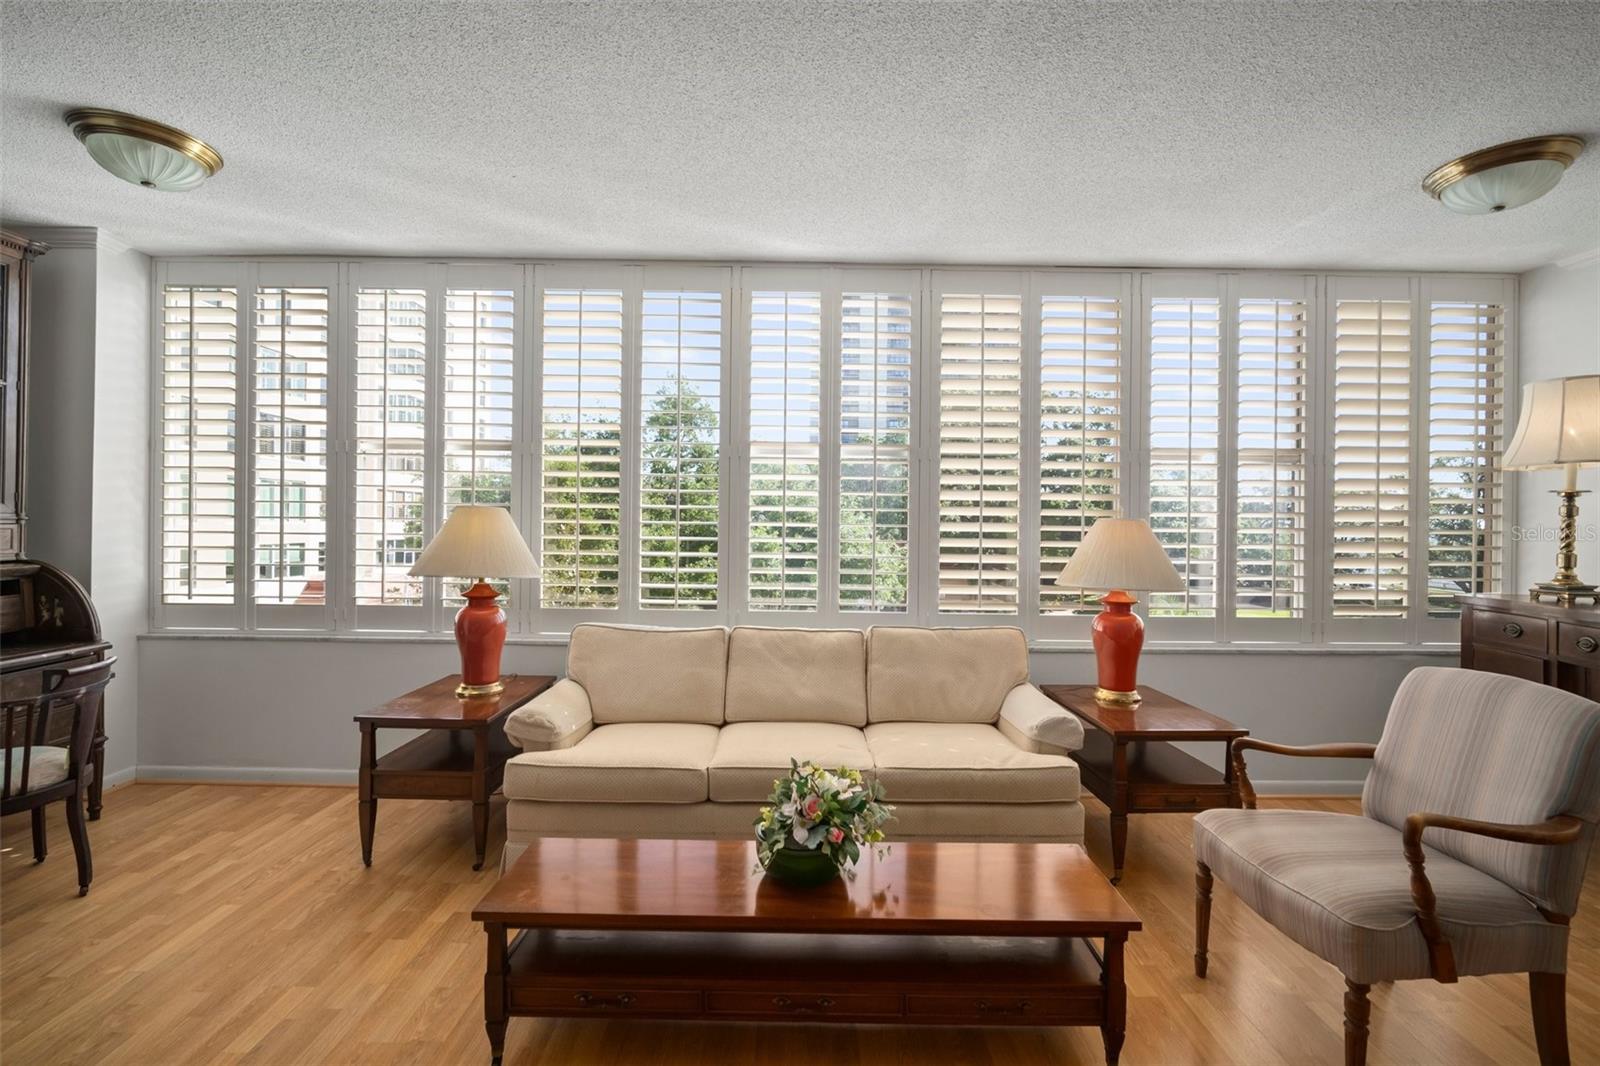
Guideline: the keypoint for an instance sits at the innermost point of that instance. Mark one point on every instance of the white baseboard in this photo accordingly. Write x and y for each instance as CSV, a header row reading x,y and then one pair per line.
x,y
124,776
248,775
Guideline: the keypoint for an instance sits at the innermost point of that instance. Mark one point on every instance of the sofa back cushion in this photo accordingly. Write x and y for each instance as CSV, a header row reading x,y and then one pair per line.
x,y
942,675
640,674
797,675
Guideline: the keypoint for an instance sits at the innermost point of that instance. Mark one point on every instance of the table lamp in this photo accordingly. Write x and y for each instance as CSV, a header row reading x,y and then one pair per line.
x,y
1559,425
1119,554
482,541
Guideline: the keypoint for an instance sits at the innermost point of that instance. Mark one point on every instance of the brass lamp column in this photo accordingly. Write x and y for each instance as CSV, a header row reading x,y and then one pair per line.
x,y
1559,426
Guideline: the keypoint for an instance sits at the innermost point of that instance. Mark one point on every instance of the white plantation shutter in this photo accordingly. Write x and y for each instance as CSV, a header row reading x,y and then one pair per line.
x,y
477,435
785,372
980,452
1272,427
581,448
1371,468
680,448
290,445
199,443
1466,412
1081,430
392,363
875,461
1185,441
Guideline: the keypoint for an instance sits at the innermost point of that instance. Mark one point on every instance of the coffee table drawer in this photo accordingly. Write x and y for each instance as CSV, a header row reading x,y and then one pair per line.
x,y
1002,1007
606,1000
803,1004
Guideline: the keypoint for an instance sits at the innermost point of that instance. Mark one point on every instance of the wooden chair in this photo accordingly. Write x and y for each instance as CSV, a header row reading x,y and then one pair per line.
x,y
1501,775
37,775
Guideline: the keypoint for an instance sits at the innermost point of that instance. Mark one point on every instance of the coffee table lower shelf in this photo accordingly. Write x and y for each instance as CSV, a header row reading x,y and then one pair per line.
x,y
854,978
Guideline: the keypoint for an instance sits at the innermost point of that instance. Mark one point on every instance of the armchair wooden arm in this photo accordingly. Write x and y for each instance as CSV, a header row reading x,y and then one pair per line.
x,y
1247,795
1562,829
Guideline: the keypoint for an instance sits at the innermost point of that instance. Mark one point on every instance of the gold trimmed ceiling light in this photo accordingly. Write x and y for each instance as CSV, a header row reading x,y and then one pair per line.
x,y
142,151
1505,176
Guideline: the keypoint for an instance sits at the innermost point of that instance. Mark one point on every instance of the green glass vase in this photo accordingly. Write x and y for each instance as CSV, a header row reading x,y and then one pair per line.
x,y
801,867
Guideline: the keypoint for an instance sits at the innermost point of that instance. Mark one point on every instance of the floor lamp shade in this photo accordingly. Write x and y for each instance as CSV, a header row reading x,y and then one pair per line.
x,y
1119,554
478,542
1559,426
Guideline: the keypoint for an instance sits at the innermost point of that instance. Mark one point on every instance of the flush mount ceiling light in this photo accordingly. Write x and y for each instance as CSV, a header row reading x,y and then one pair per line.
x,y
144,152
1507,175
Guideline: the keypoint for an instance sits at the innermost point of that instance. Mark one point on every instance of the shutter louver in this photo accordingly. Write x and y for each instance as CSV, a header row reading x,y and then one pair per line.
x,y
199,401
291,445
391,396
479,351
679,473
1466,409
1270,526
1185,435
785,448
581,446
980,452
874,451
1080,434
1371,526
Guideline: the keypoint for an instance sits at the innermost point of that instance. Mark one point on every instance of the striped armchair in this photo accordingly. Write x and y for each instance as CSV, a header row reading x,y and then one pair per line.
x,y
1502,777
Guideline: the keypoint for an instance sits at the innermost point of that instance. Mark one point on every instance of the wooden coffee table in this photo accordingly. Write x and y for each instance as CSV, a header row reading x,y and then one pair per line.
x,y
461,756
932,934
1128,761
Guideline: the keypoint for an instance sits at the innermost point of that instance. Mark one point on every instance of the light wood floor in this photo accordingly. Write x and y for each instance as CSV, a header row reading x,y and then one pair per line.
x,y
236,924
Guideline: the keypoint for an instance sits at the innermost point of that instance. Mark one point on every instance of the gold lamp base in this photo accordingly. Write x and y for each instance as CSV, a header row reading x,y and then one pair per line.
x,y
468,692
1106,695
1566,588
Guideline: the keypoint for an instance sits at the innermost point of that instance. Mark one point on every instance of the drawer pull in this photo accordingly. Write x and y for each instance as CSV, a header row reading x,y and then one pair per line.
x,y
821,1003
621,1001
1020,1007
1512,630
1588,644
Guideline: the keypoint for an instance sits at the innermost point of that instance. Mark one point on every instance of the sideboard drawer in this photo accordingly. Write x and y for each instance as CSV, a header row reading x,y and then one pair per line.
x,y
1510,630
1497,661
804,1004
1003,1007
605,1000
1578,642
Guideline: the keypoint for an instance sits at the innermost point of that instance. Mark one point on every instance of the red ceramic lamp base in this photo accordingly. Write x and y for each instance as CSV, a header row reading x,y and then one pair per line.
x,y
1118,638
480,636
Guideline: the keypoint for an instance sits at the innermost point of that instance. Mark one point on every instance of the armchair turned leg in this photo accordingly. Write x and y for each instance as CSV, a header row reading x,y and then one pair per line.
x,y
1548,992
40,848
1357,1012
1202,916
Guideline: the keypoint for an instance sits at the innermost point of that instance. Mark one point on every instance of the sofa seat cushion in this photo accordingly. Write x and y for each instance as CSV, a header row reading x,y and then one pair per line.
x,y
797,675
632,762
1339,885
751,755
936,762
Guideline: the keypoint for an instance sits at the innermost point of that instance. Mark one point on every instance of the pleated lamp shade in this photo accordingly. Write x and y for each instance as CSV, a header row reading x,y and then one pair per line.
x,y
1121,553
477,541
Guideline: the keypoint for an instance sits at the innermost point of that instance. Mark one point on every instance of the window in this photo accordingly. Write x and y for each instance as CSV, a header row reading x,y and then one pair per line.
x,y
199,393
980,452
1080,434
1466,413
386,525
875,462
680,439
581,448
785,449
1370,508
1185,442
479,411
1271,419
291,437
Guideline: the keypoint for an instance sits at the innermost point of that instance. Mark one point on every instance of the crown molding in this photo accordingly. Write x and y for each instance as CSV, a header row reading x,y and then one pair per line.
x,y
61,236
1582,259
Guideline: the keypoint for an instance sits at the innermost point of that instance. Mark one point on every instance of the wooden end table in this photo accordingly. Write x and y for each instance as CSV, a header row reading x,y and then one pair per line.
x,y
931,934
1128,761
462,756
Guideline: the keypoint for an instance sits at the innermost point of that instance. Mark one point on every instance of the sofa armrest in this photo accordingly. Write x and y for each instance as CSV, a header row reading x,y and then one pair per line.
x,y
558,717
1035,722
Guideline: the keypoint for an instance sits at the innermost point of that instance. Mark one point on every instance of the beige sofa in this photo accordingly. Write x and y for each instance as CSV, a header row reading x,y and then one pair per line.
x,y
680,732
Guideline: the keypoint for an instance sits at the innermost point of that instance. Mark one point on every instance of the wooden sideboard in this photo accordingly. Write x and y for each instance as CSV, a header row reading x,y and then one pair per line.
x,y
1542,642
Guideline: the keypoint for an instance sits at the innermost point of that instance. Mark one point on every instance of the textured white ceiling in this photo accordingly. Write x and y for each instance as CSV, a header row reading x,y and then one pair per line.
x,y
1136,133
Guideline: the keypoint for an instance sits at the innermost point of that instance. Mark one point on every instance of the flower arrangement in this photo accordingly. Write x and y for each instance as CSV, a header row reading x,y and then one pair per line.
x,y
829,813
